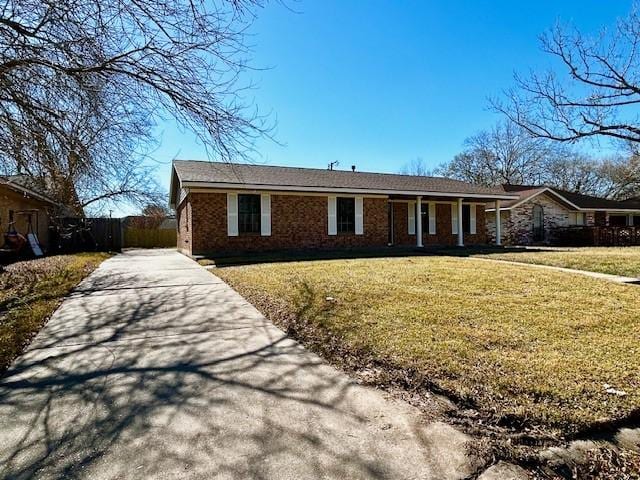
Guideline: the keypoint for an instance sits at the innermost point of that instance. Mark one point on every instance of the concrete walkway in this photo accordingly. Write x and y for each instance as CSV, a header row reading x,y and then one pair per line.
x,y
600,276
154,368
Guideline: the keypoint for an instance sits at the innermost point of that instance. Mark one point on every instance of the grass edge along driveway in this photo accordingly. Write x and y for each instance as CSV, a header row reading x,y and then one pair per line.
x,y
517,342
31,290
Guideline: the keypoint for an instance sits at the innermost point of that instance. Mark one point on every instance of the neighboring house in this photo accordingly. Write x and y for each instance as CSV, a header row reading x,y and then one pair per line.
x,y
231,208
21,205
538,211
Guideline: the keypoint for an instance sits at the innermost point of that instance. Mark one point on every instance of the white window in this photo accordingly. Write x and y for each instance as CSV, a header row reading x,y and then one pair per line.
x,y
248,214
576,218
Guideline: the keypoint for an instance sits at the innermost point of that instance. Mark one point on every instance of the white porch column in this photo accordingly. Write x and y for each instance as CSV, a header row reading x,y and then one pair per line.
x,y
630,220
460,225
418,221
498,224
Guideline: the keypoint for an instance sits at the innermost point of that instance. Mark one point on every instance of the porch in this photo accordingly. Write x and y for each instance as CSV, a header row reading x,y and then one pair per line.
x,y
439,220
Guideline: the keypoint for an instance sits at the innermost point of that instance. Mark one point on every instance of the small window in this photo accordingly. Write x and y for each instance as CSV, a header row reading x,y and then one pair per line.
x,y
466,218
346,214
249,213
580,218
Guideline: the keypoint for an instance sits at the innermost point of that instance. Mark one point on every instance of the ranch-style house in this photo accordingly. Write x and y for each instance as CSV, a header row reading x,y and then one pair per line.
x,y
226,208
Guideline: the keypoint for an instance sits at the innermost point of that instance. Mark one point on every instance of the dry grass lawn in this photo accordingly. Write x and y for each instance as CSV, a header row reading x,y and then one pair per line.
x,y
518,342
613,260
30,291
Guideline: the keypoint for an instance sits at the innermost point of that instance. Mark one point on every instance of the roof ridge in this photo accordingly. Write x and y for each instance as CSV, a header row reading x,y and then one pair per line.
x,y
213,162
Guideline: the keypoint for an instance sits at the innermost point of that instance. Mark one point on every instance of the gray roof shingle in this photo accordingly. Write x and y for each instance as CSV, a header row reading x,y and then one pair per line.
x,y
582,201
191,171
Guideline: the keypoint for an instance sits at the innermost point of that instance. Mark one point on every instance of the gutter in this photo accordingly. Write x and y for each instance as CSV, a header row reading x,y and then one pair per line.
x,y
364,191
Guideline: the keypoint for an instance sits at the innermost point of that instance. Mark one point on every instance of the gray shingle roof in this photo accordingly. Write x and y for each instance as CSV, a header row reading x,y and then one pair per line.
x,y
586,202
194,172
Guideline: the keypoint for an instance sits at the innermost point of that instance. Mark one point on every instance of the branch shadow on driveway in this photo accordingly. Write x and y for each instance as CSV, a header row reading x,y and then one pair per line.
x,y
176,377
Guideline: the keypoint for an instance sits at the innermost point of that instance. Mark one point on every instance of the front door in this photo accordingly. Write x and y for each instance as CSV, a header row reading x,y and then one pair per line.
x,y
538,223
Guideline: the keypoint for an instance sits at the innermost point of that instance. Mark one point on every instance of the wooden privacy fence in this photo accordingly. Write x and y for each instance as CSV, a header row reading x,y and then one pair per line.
x,y
68,234
149,237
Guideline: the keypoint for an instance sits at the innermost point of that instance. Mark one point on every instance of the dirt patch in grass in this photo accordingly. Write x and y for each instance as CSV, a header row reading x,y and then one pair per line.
x,y
30,291
623,261
531,350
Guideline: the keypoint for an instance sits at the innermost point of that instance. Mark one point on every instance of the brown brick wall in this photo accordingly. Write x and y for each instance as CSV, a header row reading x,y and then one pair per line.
x,y
184,216
443,234
12,200
297,222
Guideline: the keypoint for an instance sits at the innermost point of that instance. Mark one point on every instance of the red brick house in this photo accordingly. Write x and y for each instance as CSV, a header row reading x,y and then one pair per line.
x,y
232,208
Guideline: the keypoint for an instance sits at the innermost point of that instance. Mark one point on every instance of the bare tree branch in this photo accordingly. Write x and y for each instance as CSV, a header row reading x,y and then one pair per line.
x,y
598,95
83,83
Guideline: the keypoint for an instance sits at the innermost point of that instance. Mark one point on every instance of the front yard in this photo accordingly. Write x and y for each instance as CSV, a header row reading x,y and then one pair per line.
x,y
30,291
623,261
522,345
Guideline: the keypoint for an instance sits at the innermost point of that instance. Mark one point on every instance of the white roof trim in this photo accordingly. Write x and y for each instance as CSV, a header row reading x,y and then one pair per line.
x,y
613,210
577,208
544,190
291,188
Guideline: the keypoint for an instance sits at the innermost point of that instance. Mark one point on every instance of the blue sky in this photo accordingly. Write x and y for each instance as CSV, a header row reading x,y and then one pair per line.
x,y
379,83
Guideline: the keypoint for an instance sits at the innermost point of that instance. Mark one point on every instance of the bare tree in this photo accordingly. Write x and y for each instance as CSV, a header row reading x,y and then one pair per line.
x,y
596,97
83,82
507,154
504,154
417,166
621,176
575,172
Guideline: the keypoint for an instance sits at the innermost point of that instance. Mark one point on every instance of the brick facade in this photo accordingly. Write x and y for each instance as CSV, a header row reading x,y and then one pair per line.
x,y
443,235
297,222
517,223
183,220
11,200
300,222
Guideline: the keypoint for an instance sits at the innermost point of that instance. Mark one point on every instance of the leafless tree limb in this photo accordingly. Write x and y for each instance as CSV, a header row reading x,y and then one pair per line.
x,y
83,82
598,95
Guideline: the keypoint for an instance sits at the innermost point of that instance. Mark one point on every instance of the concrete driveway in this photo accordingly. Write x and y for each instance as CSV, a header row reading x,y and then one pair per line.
x,y
155,368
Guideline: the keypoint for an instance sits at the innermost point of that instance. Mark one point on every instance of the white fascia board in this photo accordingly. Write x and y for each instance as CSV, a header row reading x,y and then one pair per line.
x,y
545,190
353,191
525,200
175,204
612,210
